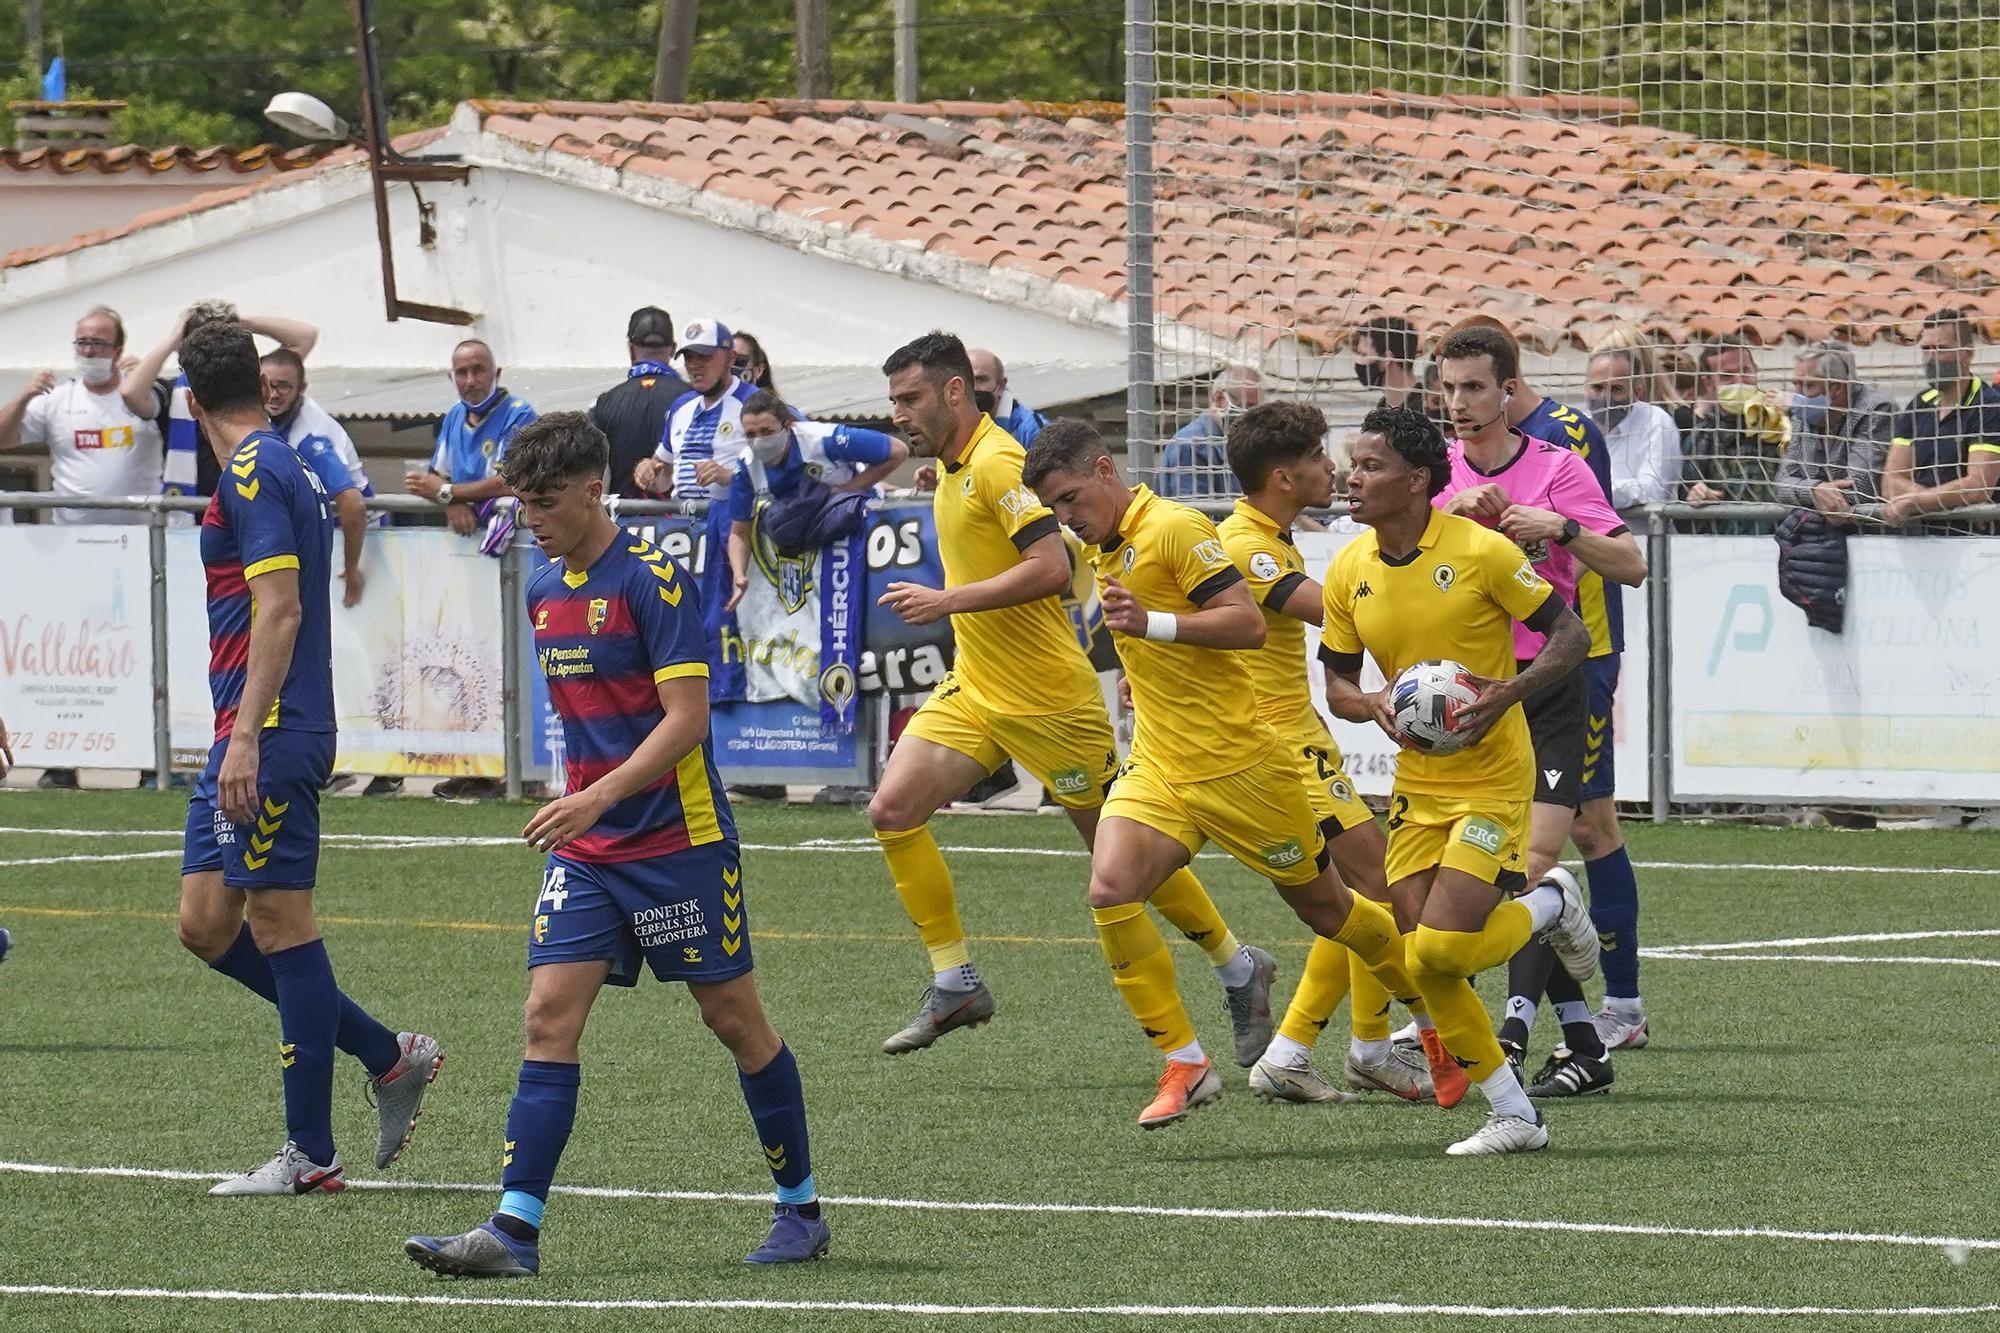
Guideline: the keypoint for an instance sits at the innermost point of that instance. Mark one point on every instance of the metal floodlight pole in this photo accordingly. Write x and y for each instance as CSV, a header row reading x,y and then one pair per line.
x,y
1517,47
907,82
1142,359
513,697
156,554
1660,667
385,165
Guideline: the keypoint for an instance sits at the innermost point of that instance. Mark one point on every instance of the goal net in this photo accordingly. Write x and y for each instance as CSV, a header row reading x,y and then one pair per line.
x,y
1661,178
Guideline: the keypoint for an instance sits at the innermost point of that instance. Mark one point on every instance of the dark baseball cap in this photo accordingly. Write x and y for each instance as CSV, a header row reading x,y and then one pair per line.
x,y
650,326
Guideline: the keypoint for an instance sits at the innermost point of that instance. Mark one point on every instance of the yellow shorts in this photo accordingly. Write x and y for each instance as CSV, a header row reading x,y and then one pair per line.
x,y
1071,753
1486,839
1327,785
1260,816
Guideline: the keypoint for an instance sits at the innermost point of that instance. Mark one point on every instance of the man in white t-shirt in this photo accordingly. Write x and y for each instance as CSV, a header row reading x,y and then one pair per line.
x,y
97,445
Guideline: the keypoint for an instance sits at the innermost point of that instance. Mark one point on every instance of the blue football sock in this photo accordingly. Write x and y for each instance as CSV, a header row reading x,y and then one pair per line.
x,y
777,1105
308,1014
538,1126
358,1034
1614,910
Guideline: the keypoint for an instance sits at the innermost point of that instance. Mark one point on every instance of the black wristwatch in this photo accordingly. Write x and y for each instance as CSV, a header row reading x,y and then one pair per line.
x,y
1570,530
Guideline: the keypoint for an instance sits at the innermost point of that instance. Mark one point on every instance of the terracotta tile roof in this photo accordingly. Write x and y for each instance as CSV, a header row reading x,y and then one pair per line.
x,y
1299,217
132,159
1312,212
266,180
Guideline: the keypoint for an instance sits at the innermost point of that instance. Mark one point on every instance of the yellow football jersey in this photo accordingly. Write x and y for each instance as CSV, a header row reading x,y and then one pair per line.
x,y
1024,660
1197,711
1270,562
1455,598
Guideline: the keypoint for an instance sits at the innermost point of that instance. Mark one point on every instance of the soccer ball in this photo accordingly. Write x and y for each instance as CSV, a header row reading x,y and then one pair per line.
x,y
1426,701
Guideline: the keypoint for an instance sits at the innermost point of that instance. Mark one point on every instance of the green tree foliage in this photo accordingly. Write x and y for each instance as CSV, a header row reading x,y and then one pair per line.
x,y
1909,88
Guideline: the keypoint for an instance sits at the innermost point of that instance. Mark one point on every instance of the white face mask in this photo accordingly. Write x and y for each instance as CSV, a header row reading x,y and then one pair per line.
x,y
770,450
96,369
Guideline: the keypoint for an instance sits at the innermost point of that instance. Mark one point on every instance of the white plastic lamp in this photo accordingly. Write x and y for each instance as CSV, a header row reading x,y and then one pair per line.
x,y
306,116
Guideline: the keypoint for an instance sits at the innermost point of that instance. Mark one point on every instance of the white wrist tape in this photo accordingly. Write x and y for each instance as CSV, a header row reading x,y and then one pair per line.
x,y
1162,626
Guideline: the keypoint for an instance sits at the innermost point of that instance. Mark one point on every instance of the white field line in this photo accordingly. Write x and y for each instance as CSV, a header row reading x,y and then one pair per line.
x,y
1800,941
1363,1218
1670,956
868,845
933,1310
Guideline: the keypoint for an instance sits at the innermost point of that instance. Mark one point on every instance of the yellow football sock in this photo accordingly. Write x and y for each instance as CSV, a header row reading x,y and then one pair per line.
x,y
1370,1003
1506,930
1438,963
1144,972
923,882
1185,903
1320,988
1370,932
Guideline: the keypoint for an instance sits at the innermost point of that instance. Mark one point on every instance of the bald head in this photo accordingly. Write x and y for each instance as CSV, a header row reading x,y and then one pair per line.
x,y
988,375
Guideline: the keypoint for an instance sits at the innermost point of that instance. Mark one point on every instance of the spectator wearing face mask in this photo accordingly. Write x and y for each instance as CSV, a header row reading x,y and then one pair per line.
x,y
1385,355
991,395
751,364
97,445
1644,445
788,456
1739,434
1841,430
1195,464
1945,454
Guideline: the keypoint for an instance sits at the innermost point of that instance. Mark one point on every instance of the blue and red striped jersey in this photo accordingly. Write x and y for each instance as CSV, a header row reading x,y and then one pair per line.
x,y
605,639
268,513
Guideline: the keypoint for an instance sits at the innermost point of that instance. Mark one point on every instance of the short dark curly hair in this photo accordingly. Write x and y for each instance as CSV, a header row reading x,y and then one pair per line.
x,y
1271,435
548,453
1416,438
220,362
942,355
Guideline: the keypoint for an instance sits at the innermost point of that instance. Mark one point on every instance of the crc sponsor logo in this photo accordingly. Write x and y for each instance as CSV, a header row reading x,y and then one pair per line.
x,y
1483,833
1284,855
1070,782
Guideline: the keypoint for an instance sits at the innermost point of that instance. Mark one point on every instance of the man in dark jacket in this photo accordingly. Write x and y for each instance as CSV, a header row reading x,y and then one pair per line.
x,y
634,414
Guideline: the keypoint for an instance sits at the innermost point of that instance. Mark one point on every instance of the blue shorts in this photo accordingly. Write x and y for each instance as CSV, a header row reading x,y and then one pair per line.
x,y
682,912
280,850
1600,680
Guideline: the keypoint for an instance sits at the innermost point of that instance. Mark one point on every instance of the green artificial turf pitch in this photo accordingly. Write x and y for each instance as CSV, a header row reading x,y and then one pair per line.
x,y
1784,1091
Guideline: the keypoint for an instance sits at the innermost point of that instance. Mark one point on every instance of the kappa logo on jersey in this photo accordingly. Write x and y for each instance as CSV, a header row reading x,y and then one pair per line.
x,y
1444,576
1263,566
1484,834
1283,855
1363,591
599,609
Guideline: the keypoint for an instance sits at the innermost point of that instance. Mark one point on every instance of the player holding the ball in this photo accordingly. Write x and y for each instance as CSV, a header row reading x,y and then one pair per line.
x,y
1421,586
